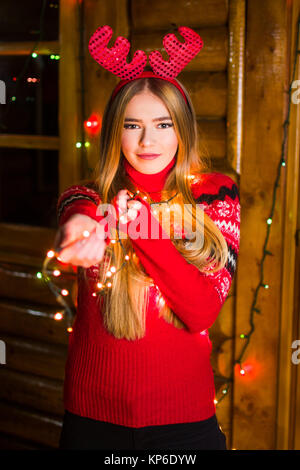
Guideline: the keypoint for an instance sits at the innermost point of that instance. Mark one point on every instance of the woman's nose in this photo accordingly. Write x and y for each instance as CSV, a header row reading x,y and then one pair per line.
x,y
147,137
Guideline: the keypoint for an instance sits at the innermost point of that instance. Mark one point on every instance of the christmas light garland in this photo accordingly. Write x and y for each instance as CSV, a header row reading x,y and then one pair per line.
x,y
246,337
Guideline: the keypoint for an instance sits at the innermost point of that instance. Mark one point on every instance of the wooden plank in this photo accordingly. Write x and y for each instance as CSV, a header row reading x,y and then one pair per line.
x,y
30,425
43,142
12,443
34,357
254,398
213,137
162,15
34,241
30,391
212,58
208,92
27,47
21,282
70,110
288,411
32,321
236,78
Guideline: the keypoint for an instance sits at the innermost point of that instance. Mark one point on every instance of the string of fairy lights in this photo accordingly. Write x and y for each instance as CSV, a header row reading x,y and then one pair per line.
x,y
254,309
62,294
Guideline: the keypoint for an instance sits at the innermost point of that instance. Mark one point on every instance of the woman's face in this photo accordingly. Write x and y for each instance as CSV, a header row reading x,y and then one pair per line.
x,y
148,131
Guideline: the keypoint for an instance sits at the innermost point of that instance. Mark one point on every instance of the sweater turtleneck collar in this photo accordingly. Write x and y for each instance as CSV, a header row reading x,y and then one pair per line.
x,y
148,182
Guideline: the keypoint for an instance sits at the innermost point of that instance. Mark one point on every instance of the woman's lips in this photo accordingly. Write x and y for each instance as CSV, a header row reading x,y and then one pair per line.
x,y
148,156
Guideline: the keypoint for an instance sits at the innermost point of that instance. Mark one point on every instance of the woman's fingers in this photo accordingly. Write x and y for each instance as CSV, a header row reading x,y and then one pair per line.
x,y
122,198
85,252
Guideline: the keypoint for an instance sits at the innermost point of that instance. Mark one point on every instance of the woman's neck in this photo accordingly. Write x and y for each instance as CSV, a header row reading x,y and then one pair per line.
x,y
151,183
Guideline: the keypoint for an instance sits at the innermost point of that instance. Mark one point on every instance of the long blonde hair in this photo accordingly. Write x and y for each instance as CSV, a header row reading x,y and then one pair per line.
x,y
124,305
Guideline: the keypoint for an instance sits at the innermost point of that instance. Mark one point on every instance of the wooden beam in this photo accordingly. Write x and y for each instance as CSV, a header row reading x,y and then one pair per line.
x,y
25,48
287,401
25,141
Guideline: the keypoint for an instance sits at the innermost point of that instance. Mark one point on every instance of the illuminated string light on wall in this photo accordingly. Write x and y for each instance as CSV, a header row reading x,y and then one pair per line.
x,y
246,337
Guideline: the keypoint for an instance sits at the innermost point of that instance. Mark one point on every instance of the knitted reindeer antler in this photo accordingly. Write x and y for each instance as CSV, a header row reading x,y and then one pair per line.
x,y
114,59
180,54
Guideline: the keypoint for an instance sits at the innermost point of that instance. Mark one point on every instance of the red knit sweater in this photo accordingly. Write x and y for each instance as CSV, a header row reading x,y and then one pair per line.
x,y
166,376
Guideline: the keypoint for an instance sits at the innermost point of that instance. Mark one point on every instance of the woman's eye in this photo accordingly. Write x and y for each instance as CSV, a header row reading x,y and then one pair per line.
x,y
165,125
130,126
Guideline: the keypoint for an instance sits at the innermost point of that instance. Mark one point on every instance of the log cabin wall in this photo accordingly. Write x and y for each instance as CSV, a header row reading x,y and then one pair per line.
x,y
240,122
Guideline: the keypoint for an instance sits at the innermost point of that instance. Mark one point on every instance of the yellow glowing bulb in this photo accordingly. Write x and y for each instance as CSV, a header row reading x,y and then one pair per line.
x,y
86,233
127,257
99,284
50,254
113,269
56,272
94,294
109,284
108,274
215,401
58,316
64,292
70,329
113,241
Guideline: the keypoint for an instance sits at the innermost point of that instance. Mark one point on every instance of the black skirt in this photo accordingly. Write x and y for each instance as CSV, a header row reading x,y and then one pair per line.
x,y
80,433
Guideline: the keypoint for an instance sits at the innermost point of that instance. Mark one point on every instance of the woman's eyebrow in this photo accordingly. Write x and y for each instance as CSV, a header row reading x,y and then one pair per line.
x,y
163,118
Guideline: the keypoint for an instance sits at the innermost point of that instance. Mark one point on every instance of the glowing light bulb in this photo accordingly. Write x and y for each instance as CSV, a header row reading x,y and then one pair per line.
x,y
64,292
39,275
86,234
70,329
94,294
109,284
215,401
242,371
127,257
108,274
50,254
58,316
56,273
99,284
269,221
113,269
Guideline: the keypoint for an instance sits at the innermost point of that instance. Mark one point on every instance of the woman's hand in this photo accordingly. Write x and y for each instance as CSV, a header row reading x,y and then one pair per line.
x,y
86,238
127,210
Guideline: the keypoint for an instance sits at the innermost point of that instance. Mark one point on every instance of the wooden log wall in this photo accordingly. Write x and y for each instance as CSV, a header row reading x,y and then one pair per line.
x,y
31,405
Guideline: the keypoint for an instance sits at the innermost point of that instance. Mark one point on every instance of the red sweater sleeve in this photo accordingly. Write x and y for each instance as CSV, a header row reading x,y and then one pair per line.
x,y
195,297
79,200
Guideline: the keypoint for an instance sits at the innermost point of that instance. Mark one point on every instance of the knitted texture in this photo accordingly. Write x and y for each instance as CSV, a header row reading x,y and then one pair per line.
x,y
166,376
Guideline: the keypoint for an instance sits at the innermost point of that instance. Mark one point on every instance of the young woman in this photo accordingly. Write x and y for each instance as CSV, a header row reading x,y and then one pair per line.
x,y
138,372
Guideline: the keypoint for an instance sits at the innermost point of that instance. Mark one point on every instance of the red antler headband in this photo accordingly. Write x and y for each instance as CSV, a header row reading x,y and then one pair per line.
x,y
114,58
